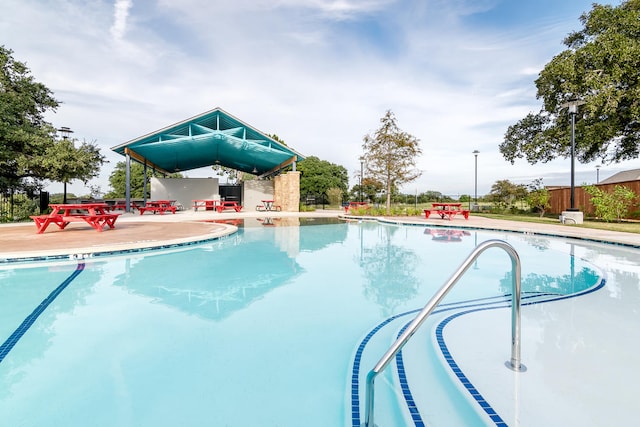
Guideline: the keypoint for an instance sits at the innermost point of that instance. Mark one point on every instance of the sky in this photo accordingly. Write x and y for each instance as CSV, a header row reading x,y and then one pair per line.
x,y
318,73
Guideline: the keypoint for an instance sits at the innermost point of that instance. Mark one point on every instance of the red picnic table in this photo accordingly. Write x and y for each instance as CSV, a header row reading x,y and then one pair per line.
x,y
224,205
160,206
444,235
207,204
356,205
94,214
446,210
122,206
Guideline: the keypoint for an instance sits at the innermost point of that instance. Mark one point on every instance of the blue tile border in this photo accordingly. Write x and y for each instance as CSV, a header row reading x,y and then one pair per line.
x,y
355,372
6,347
476,305
76,256
486,407
505,230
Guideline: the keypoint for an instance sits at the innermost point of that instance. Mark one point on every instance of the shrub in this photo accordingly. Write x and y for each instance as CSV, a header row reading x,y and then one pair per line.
x,y
22,208
610,206
335,196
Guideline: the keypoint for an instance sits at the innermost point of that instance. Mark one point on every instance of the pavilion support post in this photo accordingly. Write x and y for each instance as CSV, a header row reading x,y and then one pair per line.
x,y
144,191
287,191
127,203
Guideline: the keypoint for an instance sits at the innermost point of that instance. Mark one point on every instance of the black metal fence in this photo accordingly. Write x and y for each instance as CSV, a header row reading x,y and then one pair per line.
x,y
317,201
18,206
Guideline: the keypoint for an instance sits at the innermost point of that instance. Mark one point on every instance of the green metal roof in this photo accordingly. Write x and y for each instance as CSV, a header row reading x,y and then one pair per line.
x,y
214,137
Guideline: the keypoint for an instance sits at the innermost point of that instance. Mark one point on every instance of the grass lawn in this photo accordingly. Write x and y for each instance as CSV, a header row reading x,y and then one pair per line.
x,y
626,226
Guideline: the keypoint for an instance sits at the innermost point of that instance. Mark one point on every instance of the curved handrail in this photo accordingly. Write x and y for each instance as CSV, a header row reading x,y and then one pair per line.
x,y
513,364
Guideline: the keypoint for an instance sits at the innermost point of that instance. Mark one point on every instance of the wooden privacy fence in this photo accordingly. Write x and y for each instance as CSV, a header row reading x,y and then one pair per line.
x,y
560,198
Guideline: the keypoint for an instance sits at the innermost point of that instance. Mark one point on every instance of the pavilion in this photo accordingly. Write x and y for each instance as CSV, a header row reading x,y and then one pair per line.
x,y
212,138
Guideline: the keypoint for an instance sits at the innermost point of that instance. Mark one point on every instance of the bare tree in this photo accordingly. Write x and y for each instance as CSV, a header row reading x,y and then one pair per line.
x,y
390,156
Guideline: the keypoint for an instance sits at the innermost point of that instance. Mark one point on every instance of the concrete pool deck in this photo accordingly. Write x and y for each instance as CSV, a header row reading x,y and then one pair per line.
x,y
134,231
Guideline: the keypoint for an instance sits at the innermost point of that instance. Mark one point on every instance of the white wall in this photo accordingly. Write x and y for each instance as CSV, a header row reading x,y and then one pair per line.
x,y
184,190
254,192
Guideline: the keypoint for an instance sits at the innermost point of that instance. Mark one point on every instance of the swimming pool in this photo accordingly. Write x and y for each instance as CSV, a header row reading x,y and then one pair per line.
x,y
277,326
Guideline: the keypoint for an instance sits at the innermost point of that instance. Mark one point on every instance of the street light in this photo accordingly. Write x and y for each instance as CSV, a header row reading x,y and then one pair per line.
x,y
361,172
475,194
573,110
65,132
597,174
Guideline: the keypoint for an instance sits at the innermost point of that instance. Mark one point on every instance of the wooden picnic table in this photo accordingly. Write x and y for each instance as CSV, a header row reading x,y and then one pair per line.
x,y
267,205
160,206
94,214
225,205
446,210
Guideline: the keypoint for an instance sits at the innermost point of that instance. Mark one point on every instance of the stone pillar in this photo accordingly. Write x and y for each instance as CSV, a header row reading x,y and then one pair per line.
x,y
287,191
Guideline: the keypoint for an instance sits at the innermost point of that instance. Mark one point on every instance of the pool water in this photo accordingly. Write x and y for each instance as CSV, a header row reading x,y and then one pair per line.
x,y
268,326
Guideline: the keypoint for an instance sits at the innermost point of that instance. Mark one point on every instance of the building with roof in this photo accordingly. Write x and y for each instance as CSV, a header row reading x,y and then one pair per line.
x,y
216,137
624,176
560,196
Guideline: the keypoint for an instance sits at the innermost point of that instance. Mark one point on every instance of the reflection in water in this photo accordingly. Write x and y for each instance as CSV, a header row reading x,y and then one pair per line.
x,y
446,235
192,316
212,287
389,272
559,285
229,277
538,242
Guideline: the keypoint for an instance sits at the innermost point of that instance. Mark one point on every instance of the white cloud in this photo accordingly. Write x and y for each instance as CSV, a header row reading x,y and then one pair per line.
x,y
121,12
319,74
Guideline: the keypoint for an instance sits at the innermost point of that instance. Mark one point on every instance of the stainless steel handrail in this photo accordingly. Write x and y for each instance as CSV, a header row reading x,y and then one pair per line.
x,y
513,364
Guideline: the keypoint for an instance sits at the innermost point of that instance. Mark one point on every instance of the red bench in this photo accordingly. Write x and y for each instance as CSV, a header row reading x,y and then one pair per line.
x,y
228,205
97,221
446,210
207,204
160,206
121,206
356,205
94,214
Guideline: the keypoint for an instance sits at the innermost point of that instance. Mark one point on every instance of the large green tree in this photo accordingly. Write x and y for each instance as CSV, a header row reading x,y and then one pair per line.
x,y
504,193
64,162
390,156
118,181
317,176
24,133
29,149
601,66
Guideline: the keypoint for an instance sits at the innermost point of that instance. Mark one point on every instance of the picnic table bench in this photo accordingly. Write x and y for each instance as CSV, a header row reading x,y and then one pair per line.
x,y
160,206
207,204
267,205
356,205
121,206
445,235
226,205
446,210
94,214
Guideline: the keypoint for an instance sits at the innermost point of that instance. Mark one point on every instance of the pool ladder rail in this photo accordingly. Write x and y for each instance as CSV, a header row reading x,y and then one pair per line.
x,y
513,364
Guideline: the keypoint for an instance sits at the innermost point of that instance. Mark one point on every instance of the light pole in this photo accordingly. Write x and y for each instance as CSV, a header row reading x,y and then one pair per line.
x,y
65,132
573,110
475,193
361,172
597,174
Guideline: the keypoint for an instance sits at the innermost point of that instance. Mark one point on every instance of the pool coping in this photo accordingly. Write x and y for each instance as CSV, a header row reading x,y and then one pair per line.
x,y
222,230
